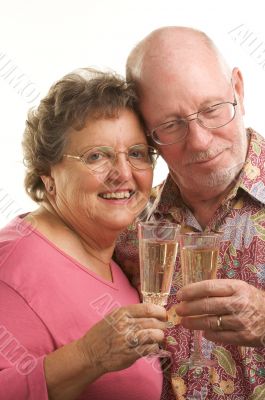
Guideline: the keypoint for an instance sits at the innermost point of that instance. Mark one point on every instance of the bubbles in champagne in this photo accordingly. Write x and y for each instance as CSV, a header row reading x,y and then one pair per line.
x,y
157,261
198,264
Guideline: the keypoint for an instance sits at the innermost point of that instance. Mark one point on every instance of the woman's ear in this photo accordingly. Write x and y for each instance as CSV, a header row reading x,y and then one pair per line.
x,y
238,84
49,184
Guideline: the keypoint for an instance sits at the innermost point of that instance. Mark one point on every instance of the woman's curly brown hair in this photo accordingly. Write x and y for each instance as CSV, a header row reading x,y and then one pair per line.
x,y
85,93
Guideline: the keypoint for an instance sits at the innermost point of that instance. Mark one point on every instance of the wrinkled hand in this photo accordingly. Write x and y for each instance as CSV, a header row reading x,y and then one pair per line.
x,y
112,342
235,311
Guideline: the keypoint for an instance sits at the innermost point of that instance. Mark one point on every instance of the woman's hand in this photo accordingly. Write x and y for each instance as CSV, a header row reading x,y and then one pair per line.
x,y
123,336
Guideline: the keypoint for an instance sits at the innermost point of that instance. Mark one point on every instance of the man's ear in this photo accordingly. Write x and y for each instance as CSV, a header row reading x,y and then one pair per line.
x,y
49,184
238,83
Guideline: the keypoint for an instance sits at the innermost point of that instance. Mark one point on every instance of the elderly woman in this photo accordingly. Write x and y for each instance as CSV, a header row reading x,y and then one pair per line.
x,y
70,325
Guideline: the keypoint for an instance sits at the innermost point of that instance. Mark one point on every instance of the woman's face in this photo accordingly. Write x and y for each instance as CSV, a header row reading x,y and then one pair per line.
x,y
102,200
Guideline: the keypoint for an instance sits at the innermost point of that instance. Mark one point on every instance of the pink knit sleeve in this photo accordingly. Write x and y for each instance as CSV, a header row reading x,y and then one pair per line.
x,y
24,342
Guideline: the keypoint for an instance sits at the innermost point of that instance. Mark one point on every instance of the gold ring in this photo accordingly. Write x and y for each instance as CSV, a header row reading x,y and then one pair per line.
x,y
219,322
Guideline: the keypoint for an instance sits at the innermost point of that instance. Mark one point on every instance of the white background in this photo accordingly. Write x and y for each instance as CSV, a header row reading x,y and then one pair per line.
x,y
46,39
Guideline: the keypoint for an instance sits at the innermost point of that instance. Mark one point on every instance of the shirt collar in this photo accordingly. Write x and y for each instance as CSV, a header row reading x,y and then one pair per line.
x,y
252,176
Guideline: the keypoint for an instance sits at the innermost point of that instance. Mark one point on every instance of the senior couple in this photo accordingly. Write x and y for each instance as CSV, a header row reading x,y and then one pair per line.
x,y
71,326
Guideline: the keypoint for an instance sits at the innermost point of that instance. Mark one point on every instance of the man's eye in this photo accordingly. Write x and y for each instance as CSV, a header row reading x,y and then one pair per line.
x,y
172,126
212,111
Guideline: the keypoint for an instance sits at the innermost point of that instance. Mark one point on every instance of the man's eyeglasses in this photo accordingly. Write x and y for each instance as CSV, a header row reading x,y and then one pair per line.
x,y
212,117
102,158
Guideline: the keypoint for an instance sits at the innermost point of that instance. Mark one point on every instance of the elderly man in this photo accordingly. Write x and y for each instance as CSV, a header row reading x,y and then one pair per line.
x,y
192,105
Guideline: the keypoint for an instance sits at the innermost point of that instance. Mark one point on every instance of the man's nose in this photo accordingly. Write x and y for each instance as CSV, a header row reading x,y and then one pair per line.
x,y
199,138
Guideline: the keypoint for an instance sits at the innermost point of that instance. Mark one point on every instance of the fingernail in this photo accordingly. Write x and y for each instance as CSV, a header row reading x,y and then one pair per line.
x,y
169,324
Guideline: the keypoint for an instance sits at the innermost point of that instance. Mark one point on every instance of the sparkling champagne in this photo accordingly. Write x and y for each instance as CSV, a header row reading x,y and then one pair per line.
x,y
198,264
157,261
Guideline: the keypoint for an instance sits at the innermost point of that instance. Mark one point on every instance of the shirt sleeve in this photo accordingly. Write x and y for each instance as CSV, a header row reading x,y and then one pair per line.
x,y
24,343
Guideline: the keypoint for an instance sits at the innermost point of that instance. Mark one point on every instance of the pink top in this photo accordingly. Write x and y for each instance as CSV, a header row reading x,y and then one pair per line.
x,y
47,299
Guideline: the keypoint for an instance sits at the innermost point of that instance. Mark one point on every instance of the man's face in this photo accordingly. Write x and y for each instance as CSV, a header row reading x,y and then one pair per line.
x,y
207,160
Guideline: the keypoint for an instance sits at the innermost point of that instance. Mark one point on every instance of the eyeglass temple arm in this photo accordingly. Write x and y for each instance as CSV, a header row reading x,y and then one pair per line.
x,y
70,156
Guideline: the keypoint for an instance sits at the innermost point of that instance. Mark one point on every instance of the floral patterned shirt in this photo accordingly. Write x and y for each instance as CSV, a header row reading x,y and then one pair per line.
x,y
240,371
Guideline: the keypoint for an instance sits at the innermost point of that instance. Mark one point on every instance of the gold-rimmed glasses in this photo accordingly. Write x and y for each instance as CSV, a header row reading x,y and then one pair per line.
x,y
103,158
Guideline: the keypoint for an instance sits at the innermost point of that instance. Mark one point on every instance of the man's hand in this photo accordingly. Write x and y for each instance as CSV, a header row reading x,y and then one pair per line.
x,y
229,311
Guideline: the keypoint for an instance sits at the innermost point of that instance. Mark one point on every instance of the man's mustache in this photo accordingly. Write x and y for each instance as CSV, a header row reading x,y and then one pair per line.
x,y
204,155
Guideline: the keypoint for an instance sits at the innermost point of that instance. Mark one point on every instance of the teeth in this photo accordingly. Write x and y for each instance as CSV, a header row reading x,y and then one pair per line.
x,y
117,195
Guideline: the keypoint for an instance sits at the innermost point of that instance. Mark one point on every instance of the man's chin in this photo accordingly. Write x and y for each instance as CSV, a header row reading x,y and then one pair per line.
x,y
221,178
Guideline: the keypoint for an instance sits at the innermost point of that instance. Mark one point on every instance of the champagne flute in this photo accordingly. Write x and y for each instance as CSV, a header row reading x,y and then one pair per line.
x,y
158,245
198,257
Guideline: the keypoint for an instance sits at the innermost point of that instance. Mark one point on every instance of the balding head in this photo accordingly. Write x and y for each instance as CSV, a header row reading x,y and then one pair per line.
x,y
168,43
175,64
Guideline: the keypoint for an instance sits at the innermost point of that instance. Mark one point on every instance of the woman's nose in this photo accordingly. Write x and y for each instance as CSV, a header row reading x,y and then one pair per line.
x,y
122,169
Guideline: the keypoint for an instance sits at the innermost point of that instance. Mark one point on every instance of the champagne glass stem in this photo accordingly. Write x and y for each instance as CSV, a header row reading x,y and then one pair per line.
x,y
197,353
197,359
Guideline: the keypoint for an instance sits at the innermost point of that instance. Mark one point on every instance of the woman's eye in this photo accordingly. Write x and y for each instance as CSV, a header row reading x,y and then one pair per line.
x,y
93,157
137,154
